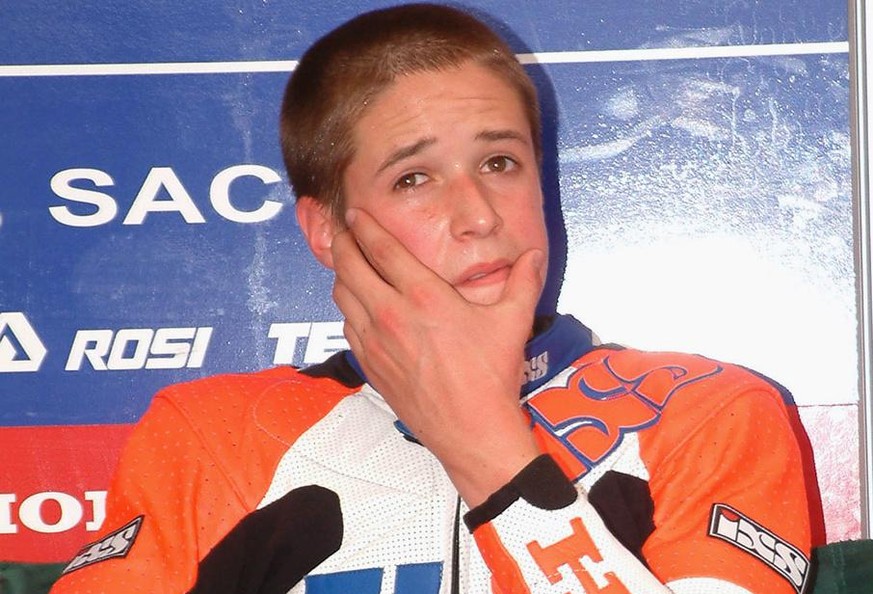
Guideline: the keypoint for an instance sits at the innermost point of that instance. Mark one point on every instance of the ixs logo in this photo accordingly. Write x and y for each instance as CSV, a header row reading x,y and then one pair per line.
x,y
21,350
51,512
161,191
139,348
536,367
115,544
604,401
733,527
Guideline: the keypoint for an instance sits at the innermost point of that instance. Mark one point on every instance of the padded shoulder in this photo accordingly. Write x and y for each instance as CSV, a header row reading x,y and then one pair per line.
x,y
247,421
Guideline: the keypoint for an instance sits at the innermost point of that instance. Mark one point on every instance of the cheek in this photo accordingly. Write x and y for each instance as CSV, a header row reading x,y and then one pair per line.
x,y
528,226
420,232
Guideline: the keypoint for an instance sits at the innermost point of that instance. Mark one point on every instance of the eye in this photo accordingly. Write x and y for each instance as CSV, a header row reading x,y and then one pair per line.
x,y
499,164
409,181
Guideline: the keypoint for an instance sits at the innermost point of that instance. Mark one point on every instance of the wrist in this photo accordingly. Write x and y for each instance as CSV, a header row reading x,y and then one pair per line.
x,y
541,483
484,474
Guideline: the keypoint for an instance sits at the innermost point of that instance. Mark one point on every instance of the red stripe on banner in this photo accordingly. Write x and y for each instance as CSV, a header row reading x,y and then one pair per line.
x,y
53,487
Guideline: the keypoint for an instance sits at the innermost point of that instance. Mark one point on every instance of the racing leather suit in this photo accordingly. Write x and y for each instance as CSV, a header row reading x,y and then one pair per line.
x,y
660,473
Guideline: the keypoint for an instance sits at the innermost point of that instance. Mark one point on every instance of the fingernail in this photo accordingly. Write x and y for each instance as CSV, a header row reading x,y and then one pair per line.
x,y
351,215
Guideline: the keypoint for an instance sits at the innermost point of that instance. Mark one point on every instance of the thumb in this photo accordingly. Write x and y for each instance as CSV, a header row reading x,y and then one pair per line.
x,y
525,282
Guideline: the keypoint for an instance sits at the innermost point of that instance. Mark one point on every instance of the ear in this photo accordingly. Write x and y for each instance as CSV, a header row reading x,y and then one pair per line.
x,y
318,226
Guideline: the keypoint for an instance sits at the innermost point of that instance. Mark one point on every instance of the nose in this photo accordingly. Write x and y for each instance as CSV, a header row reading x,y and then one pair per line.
x,y
473,208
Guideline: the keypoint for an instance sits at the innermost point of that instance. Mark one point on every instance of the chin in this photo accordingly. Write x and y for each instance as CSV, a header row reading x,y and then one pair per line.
x,y
483,295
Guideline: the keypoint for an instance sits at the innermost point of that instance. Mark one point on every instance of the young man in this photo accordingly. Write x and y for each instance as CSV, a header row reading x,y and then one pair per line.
x,y
453,449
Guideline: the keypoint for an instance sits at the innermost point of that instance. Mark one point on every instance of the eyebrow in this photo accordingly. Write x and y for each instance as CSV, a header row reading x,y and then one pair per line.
x,y
404,152
507,134
410,150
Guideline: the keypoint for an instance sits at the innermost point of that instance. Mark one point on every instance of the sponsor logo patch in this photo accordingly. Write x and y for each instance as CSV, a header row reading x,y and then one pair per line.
x,y
536,367
604,401
116,544
733,527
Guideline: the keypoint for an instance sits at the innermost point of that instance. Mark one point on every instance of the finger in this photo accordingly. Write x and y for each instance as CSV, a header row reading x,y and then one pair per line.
x,y
525,282
350,306
388,256
354,340
355,272
356,318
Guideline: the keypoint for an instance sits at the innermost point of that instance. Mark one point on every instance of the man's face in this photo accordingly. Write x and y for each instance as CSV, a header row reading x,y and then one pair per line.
x,y
445,162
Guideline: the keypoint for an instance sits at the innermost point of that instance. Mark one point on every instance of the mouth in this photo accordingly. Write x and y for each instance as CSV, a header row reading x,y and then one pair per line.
x,y
482,275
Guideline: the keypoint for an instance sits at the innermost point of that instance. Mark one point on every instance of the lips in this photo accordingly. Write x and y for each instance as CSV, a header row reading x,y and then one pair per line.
x,y
484,274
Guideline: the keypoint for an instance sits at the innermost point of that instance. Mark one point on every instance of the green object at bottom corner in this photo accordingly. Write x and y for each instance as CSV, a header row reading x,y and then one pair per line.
x,y
28,578
843,568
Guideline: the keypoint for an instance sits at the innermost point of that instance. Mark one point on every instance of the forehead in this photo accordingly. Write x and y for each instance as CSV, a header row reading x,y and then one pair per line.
x,y
434,103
